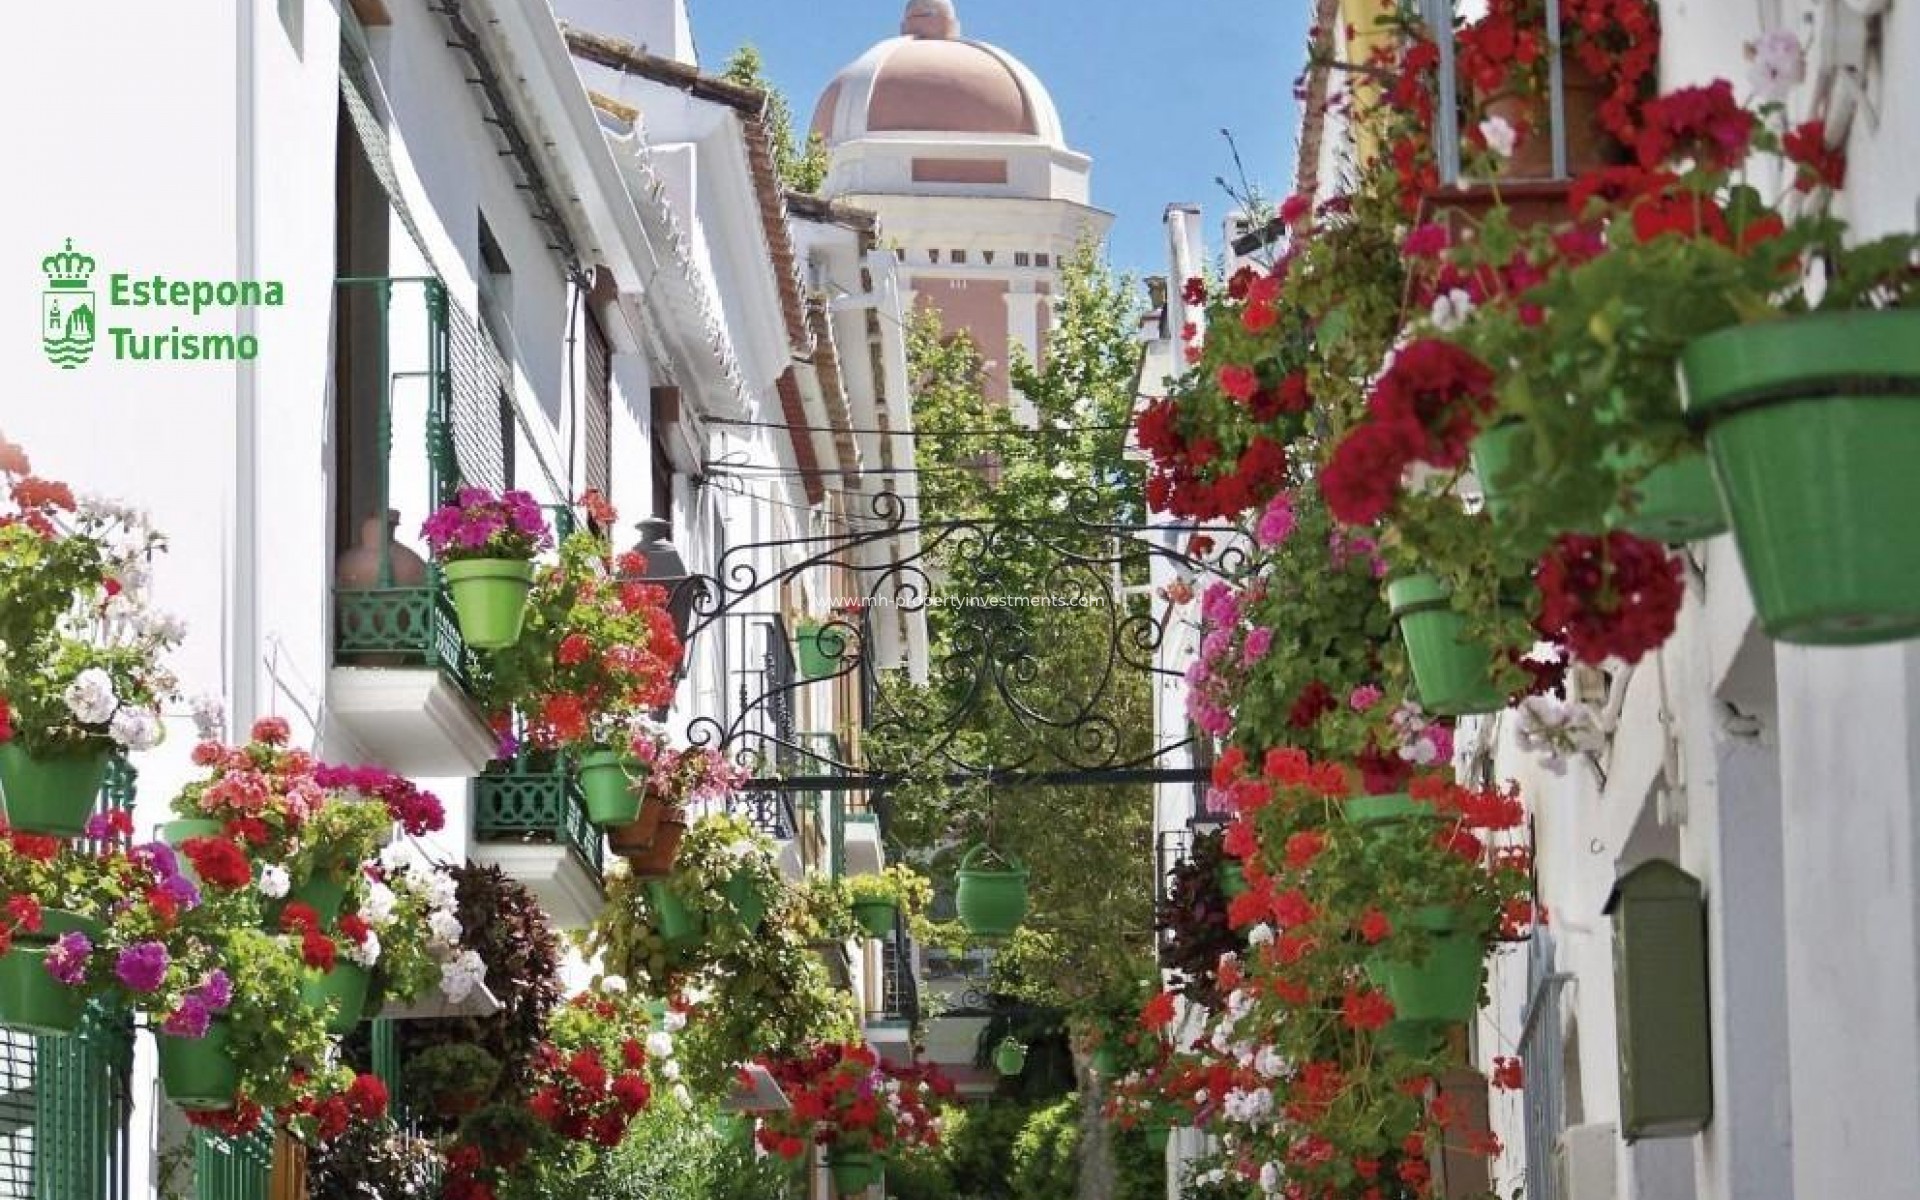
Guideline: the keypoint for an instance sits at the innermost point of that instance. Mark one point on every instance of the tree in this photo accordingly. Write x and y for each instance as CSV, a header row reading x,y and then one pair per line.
x,y
802,165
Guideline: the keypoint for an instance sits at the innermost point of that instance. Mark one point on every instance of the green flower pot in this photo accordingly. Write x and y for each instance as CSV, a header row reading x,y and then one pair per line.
x,y
1676,502
1492,452
1813,426
876,917
1453,675
1232,878
1384,812
853,1170
1157,1137
1009,1057
199,1073
821,654
324,892
1443,985
991,903
1104,1062
679,924
607,781
343,989
32,1000
490,598
743,894
1414,1039
53,795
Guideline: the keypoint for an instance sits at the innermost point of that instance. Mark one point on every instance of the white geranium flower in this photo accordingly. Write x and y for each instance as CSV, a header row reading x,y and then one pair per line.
x,y
1501,136
365,953
614,985
1268,1062
444,927
674,1021
1557,730
659,1044
377,908
163,627
681,1095
461,975
1270,1177
1451,310
1260,934
90,696
209,717
274,881
136,729
442,890
395,856
670,1070
1779,64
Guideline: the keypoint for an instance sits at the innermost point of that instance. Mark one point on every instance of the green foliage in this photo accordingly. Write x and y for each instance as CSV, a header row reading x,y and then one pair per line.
x,y
1046,1154
449,1076
802,165
675,1152
373,1160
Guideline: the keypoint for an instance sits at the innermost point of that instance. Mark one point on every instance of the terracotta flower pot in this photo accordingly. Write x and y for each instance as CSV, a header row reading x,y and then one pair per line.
x,y
659,855
637,835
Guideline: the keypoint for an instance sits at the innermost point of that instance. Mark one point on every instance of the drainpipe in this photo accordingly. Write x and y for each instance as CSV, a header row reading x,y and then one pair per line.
x,y
243,625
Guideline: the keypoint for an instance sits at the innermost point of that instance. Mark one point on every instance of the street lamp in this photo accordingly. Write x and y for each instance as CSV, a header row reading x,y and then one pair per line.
x,y
667,569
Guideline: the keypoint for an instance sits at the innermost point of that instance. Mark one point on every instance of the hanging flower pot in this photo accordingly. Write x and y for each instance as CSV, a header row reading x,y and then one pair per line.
x,y
877,917
1384,812
344,989
1232,877
1103,1061
609,782
1675,502
743,893
657,857
1452,674
854,1169
1413,1039
1442,986
54,794
324,891
679,924
1157,1138
1009,1057
991,902
820,652
199,1073
1813,428
490,599
635,836
31,999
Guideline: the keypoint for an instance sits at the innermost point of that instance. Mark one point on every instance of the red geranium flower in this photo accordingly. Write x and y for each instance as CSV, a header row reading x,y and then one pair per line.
x,y
218,862
1366,1009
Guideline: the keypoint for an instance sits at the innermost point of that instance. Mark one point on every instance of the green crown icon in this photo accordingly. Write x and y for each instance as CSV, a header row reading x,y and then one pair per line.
x,y
67,270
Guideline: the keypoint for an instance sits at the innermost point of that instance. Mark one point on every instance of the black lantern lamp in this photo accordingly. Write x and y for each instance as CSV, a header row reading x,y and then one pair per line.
x,y
667,569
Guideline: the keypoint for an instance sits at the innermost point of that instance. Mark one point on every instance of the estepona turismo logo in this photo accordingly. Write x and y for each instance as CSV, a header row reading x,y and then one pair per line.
x,y
71,323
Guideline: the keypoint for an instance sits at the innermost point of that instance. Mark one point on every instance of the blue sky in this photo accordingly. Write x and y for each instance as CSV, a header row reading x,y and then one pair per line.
x,y
1144,88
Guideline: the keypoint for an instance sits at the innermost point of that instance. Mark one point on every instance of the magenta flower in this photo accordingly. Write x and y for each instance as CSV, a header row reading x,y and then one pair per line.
x,y
190,1020
1258,643
1276,524
66,959
1364,697
215,991
143,967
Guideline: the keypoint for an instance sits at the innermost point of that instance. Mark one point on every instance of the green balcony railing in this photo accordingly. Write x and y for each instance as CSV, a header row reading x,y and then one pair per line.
x,y
394,622
529,800
232,1168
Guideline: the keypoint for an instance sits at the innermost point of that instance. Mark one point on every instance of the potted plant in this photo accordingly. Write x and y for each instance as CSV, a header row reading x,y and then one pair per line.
x,y
859,1106
880,899
596,653
822,911
484,546
990,892
82,674
450,1080
1009,1057
675,780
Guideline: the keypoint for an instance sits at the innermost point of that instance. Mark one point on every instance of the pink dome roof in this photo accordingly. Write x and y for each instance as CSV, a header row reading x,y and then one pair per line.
x,y
930,80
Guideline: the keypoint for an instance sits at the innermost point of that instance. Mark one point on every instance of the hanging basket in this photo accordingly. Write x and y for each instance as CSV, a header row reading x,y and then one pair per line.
x,y
323,891
490,599
821,652
1442,986
1452,674
854,1170
32,1000
743,895
610,782
199,1073
344,990
991,903
52,795
1009,1057
1232,878
1813,427
877,917
635,836
1675,502
657,857
679,923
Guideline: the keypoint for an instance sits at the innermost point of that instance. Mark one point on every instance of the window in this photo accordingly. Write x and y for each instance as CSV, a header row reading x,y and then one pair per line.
x,y
597,435
1042,260
933,256
1021,258
959,256
495,280
987,257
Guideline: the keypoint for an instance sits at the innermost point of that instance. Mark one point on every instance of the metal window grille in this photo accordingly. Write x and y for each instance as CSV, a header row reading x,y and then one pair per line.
x,y
1542,1049
598,419
1438,15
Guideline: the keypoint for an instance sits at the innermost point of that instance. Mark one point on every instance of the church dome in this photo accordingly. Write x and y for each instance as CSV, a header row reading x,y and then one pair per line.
x,y
931,80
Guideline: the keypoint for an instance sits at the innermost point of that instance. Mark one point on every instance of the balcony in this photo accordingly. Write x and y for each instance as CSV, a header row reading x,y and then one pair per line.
x,y
399,681
530,820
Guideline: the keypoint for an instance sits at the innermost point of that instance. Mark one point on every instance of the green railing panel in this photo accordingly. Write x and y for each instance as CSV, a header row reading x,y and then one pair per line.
x,y
232,1168
81,1103
521,801
394,624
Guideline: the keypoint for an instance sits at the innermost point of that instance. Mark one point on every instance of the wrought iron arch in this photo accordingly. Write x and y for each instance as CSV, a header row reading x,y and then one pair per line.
x,y
993,656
